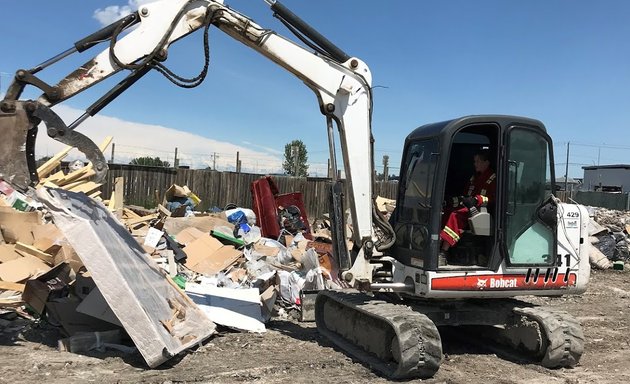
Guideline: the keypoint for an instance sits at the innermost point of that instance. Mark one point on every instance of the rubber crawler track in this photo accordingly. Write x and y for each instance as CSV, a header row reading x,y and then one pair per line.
x,y
392,339
563,333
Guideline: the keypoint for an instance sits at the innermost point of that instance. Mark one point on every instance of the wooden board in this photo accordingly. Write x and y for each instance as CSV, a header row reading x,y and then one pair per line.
x,y
30,250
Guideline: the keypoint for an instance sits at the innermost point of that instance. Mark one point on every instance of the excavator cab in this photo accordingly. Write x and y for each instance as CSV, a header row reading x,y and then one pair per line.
x,y
526,243
436,166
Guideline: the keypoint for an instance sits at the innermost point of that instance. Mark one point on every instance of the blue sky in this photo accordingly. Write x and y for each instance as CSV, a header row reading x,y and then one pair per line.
x,y
565,63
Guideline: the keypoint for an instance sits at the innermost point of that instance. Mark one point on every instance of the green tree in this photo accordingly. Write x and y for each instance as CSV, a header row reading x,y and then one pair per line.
x,y
150,161
295,158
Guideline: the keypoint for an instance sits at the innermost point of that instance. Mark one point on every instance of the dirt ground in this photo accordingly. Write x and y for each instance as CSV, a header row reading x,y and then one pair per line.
x,y
292,352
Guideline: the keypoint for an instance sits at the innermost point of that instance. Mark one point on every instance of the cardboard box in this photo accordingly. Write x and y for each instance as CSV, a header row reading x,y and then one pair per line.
x,y
51,285
46,235
178,191
68,255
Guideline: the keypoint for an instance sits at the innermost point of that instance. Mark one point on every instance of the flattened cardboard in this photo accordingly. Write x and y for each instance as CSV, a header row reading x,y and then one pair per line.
x,y
22,268
209,256
188,235
266,250
17,225
174,225
7,253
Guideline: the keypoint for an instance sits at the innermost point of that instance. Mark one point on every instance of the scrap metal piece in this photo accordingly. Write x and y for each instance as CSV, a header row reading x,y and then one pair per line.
x,y
17,147
160,319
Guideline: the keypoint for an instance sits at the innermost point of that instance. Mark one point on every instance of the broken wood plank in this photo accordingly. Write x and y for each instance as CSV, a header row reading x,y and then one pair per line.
x,y
52,163
74,184
86,188
78,175
118,195
138,220
29,249
54,177
95,194
130,214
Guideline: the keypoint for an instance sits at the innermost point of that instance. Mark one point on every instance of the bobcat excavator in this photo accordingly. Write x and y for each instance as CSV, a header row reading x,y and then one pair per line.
x,y
398,296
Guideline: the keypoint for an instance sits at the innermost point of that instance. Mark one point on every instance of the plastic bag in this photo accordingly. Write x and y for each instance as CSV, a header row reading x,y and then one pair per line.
x,y
246,216
251,236
284,256
607,246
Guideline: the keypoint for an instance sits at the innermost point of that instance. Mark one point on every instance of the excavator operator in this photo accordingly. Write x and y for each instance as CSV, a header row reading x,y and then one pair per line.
x,y
479,192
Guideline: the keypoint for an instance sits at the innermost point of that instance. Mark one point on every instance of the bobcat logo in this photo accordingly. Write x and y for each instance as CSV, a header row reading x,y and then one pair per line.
x,y
482,283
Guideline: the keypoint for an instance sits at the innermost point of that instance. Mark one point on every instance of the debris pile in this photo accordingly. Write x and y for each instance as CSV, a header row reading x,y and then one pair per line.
x,y
609,233
158,281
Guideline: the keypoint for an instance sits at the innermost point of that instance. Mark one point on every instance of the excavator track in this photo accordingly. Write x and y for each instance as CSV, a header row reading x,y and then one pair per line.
x,y
390,338
551,337
563,341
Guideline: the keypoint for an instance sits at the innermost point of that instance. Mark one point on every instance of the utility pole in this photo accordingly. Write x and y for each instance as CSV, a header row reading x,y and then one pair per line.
x,y
176,161
599,149
214,161
566,170
385,167
238,162
111,160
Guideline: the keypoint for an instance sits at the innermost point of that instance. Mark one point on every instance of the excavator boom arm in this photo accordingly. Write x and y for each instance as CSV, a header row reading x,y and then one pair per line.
x,y
343,89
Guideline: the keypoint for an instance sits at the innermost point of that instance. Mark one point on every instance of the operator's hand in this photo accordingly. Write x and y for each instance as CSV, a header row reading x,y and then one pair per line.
x,y
469,201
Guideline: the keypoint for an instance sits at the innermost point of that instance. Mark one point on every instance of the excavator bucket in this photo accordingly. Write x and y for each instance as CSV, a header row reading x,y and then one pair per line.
x,y
19,130
17,145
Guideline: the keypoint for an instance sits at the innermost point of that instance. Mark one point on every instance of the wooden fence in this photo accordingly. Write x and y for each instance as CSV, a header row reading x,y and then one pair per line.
x,y
145,186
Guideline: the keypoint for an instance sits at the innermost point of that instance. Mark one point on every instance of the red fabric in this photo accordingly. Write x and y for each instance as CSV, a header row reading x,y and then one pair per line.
x,y
479,185
456,222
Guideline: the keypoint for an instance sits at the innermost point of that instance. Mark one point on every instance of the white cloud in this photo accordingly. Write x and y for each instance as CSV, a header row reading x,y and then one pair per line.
x,y
111,13
268,149
137,139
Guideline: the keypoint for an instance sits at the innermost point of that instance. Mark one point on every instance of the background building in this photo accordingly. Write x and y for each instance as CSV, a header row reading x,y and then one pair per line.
x,y
607,178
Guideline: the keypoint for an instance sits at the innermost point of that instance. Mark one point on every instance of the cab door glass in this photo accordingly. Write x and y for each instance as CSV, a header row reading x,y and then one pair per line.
x,y
529,241
413,211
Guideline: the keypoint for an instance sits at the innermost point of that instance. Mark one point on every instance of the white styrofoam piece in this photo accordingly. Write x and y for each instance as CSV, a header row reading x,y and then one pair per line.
x,y
233,307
